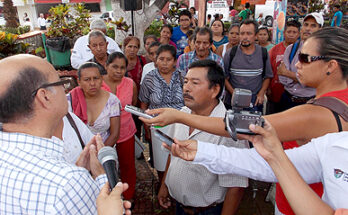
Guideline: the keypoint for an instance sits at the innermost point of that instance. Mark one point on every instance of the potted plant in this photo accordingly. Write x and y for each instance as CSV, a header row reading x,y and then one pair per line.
x,y
10,46
66,24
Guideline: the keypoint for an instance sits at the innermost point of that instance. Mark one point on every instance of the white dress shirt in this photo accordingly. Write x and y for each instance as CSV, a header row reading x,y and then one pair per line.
x,y
72,145
81,53
324,159
193,185
35,178
41,21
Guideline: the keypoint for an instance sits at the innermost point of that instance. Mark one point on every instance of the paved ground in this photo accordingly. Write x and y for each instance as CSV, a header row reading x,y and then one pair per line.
x,y
146,201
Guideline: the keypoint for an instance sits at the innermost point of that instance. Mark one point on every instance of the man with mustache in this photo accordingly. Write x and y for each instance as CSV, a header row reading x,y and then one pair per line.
x,y
295,93
250,67
195,189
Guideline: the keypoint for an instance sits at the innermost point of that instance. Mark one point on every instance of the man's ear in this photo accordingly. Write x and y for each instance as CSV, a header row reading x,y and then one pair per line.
x,y
333,66
43,97
215,89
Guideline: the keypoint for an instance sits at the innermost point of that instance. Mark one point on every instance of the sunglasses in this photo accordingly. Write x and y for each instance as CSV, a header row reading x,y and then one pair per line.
x,y
306,58
66,83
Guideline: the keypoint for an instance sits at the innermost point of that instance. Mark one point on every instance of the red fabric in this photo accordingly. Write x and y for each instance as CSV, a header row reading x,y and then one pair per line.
x,y
282,203
136,73
340,94
78,103
124,92
233,13
126,159
276,56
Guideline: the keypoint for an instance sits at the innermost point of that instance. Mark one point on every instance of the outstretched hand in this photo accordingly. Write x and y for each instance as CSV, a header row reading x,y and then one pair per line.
x,y
185,150
164,116
265,141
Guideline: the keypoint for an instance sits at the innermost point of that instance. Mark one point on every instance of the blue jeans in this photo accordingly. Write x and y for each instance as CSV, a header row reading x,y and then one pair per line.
x,y
211,211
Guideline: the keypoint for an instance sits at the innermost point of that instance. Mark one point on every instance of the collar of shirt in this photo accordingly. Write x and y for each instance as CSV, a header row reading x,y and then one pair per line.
x,y
194,55
28,143
218,111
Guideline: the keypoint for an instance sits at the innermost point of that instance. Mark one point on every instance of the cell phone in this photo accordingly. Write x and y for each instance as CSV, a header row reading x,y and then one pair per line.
x,y
137,111
163,137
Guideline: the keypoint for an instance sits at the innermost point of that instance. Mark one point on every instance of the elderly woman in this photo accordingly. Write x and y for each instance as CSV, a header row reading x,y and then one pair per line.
x,y
323,65
97,108
125,89
135,62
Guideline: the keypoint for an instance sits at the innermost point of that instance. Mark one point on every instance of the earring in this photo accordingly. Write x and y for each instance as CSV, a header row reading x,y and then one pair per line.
x,y
328,73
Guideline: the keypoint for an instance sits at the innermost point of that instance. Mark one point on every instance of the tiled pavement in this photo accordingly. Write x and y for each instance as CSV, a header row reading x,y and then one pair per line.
x,y
146,200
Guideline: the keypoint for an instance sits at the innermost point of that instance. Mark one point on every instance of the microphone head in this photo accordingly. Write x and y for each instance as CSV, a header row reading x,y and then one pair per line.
x,y
107,153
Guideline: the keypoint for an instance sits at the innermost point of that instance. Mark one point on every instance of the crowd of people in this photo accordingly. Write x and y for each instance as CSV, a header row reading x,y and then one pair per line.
x,y
186,79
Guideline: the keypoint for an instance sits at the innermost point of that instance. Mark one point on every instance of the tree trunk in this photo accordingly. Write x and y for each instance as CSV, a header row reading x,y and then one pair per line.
x,y
10,14
142,18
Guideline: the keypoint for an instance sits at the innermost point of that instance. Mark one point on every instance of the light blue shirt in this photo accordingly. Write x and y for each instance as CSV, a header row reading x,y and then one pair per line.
x,y
338,16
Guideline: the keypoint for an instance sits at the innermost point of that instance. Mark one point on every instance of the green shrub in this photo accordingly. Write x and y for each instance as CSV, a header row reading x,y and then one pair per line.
x,y
154,28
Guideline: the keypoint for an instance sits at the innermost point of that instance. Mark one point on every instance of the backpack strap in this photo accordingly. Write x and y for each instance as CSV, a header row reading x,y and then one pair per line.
x,y
232,54
264,60
294,49
73,125
337,107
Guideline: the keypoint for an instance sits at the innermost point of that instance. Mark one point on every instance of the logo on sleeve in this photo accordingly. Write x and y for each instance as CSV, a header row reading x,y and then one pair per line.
x,y
340,174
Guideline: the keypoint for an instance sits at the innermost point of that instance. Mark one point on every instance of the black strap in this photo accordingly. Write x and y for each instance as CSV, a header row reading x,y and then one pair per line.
x,y
73,125
264,60
232,54
339,124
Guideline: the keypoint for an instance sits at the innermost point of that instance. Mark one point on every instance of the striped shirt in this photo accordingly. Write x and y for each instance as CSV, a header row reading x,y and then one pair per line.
x,y
191,184
157,93
185,60
246,70
35,178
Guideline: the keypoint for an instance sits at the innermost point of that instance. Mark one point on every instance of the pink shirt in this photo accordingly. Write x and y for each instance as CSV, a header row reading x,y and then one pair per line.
x,y
124,92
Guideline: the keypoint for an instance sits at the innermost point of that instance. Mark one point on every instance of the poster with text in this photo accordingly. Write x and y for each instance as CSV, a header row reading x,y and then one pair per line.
x,y
279,19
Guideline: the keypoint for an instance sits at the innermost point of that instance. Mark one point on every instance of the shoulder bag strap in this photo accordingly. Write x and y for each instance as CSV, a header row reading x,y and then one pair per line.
x,y
264,60
232,54
337,107
73,125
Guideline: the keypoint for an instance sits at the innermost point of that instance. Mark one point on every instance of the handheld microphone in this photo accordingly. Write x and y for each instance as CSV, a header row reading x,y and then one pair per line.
x,y
108,158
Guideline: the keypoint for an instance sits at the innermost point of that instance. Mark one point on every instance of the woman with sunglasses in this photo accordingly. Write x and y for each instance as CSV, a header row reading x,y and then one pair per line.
x,y
323,65
97,108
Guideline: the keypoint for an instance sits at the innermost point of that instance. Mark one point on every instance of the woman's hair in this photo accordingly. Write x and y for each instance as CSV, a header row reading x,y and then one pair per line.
x,y
223,26
88,65
130,38
167,26
148,37
233,25
332,43
118,55
266,29
165,48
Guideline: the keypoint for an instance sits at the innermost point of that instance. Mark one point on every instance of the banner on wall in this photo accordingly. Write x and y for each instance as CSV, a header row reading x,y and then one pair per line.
x,y
279,19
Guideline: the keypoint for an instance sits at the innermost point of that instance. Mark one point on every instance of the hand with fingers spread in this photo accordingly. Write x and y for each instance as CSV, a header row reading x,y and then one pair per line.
x,y
164,116
111,203
185,150
266,142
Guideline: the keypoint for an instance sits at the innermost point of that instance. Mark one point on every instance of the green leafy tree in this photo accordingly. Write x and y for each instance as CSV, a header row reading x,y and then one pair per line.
x,y
10,14
315,6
